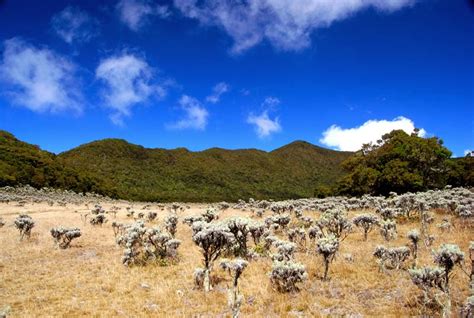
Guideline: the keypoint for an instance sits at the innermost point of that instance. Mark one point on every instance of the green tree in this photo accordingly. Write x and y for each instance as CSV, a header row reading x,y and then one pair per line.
x,y
398,162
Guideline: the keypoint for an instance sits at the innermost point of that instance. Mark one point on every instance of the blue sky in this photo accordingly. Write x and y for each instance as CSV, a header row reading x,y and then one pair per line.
x,y
214,73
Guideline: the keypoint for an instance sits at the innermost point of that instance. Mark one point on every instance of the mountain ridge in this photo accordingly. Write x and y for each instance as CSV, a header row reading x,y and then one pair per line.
x,y
125,170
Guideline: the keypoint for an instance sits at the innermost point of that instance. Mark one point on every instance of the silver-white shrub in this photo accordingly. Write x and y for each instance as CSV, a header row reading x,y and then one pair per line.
x,y
235,269
213,239
388,229
297,236
335,221
447,256
327,247
414,237
285,251
210,215
367,222
24,223
98,219
467,311
171,224
285,276
391,258
63,236
240,229
430,279
146,244
151,216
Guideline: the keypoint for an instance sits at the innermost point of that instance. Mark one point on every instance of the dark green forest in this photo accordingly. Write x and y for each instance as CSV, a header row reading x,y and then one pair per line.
x,y
114,167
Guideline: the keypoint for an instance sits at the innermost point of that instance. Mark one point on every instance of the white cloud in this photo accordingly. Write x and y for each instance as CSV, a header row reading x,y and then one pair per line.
x,y
217,92
286,24
74,25
136,13
264,125
39,79
271,102
128,80
469,152
352,139
196,115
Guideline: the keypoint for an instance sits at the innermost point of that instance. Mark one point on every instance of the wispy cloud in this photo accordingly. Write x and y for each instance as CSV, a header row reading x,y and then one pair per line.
x,y
136,13
352,139
38,78
286,24
74,25
196,115
217,91
264,125
128,81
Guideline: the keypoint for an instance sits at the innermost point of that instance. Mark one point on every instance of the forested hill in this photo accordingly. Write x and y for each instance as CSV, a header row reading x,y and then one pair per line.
x,y
138,173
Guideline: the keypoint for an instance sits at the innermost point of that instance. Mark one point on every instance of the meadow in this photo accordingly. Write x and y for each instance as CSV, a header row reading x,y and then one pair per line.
x,y
37,278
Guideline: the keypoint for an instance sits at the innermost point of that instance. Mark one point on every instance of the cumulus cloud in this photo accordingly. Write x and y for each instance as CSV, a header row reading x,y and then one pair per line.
x,y
136,13
217,91
469,152
352,139
128,81
74,25
286,24
196,115
38,78
264,125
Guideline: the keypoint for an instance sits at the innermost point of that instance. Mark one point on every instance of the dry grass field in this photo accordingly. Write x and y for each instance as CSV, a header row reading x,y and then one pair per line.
x,y
88,279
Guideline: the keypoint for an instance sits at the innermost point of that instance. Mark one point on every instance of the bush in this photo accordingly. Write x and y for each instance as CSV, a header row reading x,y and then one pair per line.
x,y
391,258
367,222
327,247
447,256
388,230
24,223
213,239
286,275
98,219
335,222
171,224
414,237
235,268
143,245
63,236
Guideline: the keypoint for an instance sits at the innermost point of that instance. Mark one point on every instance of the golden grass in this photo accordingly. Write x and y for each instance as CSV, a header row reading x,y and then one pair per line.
x,y
88,279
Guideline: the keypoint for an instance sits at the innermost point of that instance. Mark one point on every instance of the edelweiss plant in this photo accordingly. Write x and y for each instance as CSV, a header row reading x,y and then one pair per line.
x,y
297,236
240,229
171,224
367,222
391,258
388,230
210,215
414,237
142,244
24,223
447,256
213,239
235,269
335,221
327,247
63,236
151,216
98,219
286,275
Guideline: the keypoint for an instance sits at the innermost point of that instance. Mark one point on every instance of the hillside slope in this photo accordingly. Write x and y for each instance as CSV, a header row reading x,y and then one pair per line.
x,y
138,173
23,163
